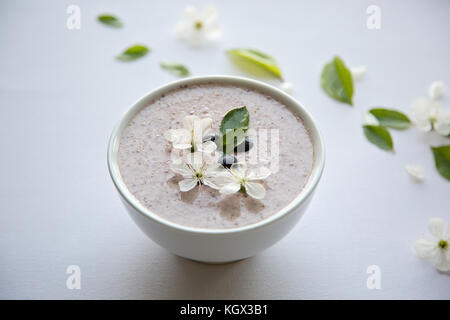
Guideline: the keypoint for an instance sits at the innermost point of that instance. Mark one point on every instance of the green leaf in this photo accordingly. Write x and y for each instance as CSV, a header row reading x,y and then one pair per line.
x,y
110,20
133,53
255,62
233,127
391,118
337,81
442,160
379,136
175,68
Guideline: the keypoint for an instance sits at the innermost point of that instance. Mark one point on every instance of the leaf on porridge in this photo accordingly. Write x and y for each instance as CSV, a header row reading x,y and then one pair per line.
x,y
336,80
442,160
233,129
175,68
133,53
379,136
110,20
255,62
391,118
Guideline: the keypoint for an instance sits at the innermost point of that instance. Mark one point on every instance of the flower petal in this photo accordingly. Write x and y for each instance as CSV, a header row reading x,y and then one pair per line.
x,y
436,228
421,113
370,119
190,14
442,124
195,160
212,31
358,72
230,188
436,90
180,167
210,182
426,249
260,173
200,129
205,125
287,87
225,177
207,147
178,136
442,261
188,123
209,14
213,169
255,190
187,184
416,172
239,170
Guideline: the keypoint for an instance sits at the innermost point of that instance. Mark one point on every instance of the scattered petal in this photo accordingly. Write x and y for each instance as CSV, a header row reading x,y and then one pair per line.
x,y
287,87
358,72
442,122
416,172
436,90
370,119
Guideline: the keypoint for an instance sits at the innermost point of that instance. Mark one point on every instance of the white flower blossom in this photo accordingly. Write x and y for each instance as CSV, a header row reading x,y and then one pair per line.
x,y
239,177
436,90
436,249
416,172
358,72
287,87
197,27
429,115
196,168
191,135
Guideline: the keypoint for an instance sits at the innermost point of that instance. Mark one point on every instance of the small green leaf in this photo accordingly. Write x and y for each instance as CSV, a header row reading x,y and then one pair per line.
x,y
391,118
233,127
379,136
175,68
442,160
110,20
133,53
337,81
255,62
235,119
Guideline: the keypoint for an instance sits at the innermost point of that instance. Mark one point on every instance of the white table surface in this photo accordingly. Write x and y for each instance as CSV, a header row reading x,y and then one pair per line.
x,y
61,92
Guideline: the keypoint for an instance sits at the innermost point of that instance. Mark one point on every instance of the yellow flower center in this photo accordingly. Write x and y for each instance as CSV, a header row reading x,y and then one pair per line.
x,y
443,244
198,25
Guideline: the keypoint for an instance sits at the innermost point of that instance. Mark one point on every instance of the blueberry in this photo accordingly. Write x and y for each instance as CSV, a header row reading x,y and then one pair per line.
x,y
210,137
244,146
227,160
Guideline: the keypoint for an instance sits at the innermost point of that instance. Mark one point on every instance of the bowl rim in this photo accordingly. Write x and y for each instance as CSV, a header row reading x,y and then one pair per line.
x,y
289,101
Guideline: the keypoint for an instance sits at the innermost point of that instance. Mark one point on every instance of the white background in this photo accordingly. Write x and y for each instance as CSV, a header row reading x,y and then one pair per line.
x,y
61,93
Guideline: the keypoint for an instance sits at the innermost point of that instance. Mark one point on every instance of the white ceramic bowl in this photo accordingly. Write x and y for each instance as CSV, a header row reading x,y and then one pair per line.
x,y
217,245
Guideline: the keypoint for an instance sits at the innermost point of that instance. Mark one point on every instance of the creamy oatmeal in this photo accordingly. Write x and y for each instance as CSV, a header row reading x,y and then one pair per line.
x,y
144,156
